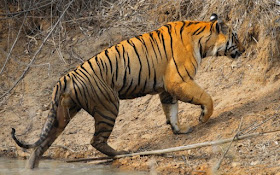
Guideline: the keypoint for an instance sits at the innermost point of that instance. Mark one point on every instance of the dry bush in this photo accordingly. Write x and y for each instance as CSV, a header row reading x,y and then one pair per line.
x,y
256,21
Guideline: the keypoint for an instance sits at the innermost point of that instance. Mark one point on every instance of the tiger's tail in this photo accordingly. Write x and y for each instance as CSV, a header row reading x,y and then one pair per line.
x,y
49,124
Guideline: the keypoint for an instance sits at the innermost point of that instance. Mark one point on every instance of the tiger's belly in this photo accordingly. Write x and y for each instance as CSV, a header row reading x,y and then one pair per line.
x,y
153,89
140,94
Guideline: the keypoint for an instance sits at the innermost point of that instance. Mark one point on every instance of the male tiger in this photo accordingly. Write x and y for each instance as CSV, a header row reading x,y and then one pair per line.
x,y
162,62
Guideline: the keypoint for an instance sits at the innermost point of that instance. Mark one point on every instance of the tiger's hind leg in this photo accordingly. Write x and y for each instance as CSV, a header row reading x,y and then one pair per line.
x,y
104,123
170,108
62,116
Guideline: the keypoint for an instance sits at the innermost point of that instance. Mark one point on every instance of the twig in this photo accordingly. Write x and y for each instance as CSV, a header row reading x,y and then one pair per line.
x,y
37,52
255,127
57,48
180,148
222,158
89,159
23,11
64,147
11,49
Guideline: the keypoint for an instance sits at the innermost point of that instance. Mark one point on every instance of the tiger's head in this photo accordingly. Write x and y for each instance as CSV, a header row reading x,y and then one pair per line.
x,y
225,39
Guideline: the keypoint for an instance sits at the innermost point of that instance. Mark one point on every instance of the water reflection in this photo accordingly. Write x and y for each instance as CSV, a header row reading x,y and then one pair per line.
x,y
51,167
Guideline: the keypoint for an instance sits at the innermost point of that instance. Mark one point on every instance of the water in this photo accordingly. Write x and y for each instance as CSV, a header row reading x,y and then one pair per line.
x,y
52,167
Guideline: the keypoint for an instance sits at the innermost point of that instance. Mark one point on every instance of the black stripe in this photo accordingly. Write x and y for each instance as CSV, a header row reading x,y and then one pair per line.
x,y
104,65
137,54
217,27
78,79
226,46
128,62
171,45
211,26
201,30
151,41
182,28
155,41
200,48
105,86
106,123
76,93
105,116
65,83
140,38
163,43
124,82
84,87
191,101
90,65
59,82
155,80
111,67
93,89
88,79
189,74
112,80
101,131
117,68
100,81
196,31
160,38
194,68
128,88
117,63
189,24
144,87
98,64
134,89
166,98
55,95
101,61
209,36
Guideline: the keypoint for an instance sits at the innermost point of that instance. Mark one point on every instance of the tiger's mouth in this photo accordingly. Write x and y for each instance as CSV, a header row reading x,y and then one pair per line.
x,y
233,55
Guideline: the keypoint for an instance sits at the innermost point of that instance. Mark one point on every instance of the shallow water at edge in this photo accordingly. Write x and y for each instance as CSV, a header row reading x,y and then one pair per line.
x,y
53,167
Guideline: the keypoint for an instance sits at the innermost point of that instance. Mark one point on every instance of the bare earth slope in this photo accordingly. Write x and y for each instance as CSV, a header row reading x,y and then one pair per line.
x,y
240,89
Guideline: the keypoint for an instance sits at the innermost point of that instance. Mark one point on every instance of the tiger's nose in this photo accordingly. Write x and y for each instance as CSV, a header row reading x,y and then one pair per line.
x,y
236,54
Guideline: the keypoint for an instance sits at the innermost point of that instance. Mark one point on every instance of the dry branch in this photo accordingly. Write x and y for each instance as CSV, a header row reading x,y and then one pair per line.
x,y
175,149
37,52
11,49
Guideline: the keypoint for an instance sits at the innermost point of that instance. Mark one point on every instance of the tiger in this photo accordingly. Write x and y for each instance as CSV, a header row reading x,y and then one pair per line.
x,y
164,61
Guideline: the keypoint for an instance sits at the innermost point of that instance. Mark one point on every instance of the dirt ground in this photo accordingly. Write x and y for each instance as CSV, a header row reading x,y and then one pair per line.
x,y
245,93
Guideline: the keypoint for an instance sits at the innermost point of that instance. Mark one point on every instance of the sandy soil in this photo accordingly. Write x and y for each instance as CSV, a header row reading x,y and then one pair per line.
x,y
244,92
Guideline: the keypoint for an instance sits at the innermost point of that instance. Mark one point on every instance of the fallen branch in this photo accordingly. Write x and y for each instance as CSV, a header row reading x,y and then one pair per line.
x,y
37,52
175,149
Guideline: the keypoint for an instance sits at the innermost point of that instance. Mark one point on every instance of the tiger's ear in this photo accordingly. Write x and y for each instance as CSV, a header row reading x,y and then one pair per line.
x,y
221,27
213,17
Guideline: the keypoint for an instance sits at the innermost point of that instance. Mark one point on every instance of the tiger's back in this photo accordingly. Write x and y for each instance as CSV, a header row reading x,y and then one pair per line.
x,y
136,67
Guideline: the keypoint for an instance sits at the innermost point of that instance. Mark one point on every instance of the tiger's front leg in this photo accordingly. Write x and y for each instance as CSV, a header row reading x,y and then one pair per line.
x,y
190,92
170,108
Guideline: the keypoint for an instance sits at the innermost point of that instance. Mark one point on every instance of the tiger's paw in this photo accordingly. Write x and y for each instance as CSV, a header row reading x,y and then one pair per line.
x,y
204,116
183,130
